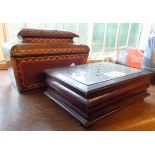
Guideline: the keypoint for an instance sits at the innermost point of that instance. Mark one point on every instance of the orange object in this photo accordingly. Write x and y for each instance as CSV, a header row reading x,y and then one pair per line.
x,y
134,58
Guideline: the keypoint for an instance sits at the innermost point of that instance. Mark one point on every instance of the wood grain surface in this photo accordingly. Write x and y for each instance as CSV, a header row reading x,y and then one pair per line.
x,y
33,111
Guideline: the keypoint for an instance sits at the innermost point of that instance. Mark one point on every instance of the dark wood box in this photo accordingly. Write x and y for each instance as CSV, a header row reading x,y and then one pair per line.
x,y
92,91
39,50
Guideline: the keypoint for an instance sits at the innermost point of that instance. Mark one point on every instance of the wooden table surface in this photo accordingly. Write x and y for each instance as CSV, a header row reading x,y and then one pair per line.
x,y
33,111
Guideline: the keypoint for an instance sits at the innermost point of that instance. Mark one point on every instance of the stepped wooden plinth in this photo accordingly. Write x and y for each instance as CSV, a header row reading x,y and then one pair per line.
x,y
92,91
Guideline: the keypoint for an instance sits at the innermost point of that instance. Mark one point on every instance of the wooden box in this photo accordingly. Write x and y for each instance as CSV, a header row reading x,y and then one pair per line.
x,y
40,50
92,91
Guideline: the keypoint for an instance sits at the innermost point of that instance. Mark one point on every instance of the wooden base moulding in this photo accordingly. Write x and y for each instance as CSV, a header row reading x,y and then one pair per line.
x,y
92,91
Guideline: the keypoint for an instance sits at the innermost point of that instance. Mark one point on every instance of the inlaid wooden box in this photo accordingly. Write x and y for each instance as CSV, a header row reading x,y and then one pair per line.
x,y
39,50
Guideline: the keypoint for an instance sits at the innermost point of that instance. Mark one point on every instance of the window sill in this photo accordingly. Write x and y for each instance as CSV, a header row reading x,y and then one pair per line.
x,y
3,66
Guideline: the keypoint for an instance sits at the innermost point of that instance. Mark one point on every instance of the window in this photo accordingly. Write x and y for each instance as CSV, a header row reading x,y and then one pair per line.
x,y
2,38
98,36
134,35
123,34
83,33
111,35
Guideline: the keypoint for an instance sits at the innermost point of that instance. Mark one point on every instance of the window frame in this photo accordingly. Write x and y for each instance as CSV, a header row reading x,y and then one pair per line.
x,y
143,35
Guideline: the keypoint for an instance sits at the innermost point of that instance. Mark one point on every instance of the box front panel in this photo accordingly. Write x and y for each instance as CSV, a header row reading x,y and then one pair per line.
x,y
31,70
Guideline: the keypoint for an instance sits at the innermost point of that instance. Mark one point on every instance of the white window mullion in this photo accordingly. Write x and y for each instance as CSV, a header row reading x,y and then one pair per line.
x,y
8,32
77,28
25,25
116,41
129,30
3,32
45,25
117,34
139,35
105,33
144,35
62,26
77,31
2,40
90,34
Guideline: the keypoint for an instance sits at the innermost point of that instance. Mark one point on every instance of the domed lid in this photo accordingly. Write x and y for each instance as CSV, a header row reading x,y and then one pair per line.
x,y
43,33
